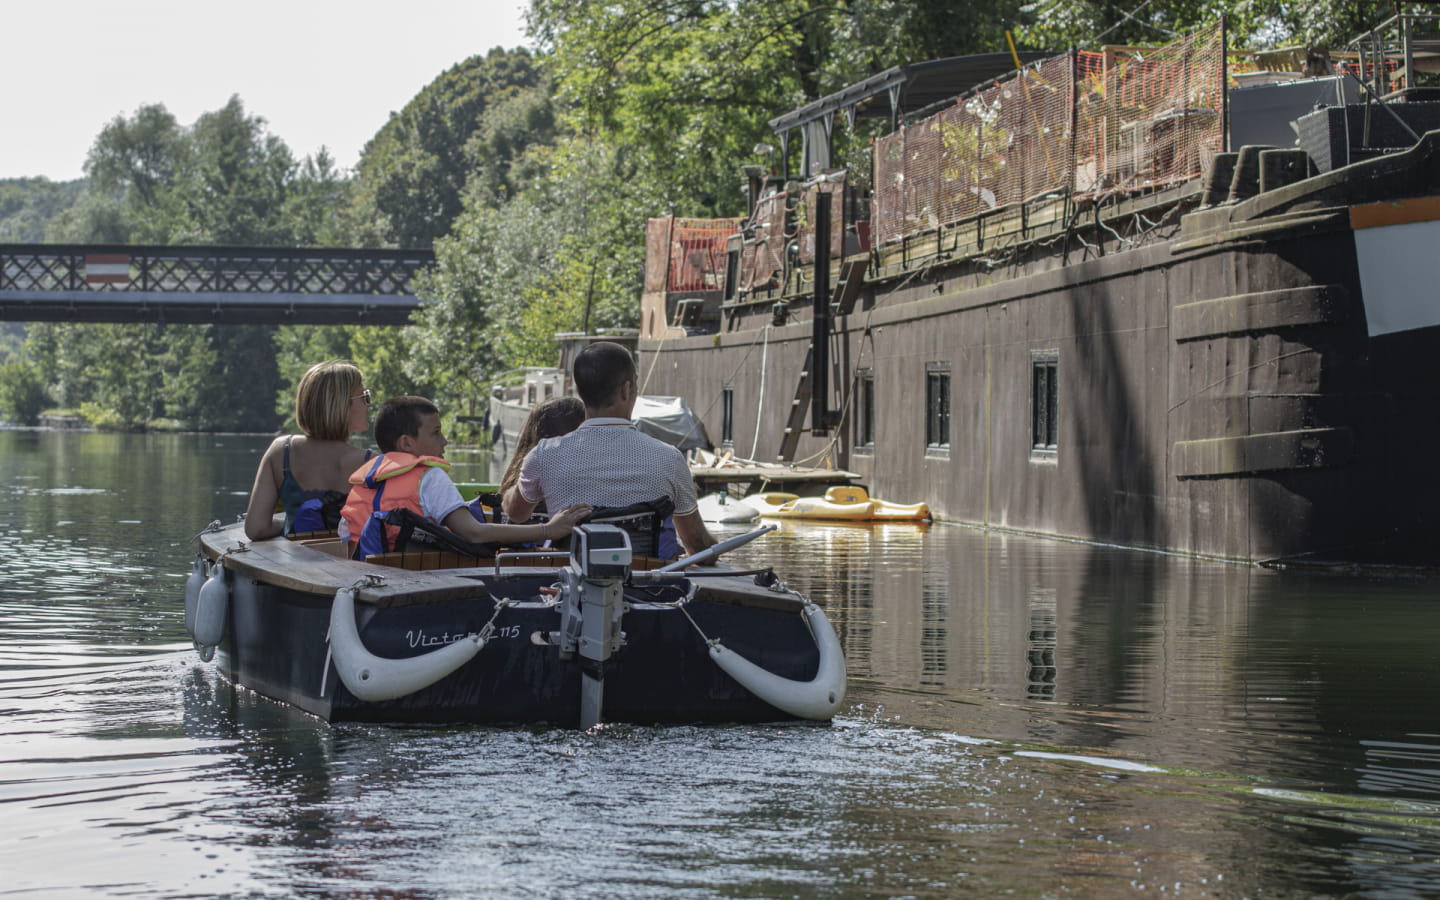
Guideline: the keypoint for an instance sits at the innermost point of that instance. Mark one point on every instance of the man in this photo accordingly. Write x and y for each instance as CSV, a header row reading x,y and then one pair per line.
x,y
606,461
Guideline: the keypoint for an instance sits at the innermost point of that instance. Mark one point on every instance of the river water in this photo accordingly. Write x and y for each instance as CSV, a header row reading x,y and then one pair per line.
x,y
1025,717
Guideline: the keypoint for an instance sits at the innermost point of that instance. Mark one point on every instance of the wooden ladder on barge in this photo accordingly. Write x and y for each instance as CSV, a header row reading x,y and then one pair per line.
x,y
852,276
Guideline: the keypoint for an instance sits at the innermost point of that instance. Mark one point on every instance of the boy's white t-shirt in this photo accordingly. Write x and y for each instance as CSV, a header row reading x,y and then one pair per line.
x,y
439,496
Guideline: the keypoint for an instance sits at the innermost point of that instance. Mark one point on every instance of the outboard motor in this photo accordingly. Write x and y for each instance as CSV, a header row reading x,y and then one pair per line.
x,y
592,604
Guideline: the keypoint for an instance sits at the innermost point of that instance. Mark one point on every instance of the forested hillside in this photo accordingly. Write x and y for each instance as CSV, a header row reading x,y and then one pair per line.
x,y
530,174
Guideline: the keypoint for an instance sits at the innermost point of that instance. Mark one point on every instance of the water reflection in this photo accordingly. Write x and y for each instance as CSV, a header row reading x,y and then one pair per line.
x,y
1026,716
1246,687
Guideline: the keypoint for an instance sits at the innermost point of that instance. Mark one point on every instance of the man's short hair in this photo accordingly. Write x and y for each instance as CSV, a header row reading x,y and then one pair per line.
x,y
600,370
400,416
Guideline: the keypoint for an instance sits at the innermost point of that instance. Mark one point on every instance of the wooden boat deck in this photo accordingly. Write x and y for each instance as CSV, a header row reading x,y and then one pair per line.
x,y
317,566
756,477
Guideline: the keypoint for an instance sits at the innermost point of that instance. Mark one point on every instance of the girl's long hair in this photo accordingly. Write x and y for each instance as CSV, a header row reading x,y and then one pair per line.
x,y
554,417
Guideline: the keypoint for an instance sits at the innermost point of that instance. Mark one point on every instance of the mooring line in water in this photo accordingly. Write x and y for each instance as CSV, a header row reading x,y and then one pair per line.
x,y
213,526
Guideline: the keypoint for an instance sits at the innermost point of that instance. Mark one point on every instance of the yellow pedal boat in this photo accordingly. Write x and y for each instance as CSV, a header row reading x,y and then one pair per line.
x,y
842,503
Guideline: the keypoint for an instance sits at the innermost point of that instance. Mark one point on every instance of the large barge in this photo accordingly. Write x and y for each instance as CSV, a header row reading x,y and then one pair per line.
x,y
1130,297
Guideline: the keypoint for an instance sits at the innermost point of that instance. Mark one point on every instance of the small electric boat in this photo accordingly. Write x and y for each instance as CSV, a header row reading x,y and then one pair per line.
x,y
723,509
576,637
841,503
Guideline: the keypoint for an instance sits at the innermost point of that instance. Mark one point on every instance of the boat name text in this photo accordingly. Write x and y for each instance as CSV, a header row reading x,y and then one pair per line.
x,y
417,639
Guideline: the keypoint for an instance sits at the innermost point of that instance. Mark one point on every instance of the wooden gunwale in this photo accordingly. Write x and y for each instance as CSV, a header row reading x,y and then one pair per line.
x,y
296,565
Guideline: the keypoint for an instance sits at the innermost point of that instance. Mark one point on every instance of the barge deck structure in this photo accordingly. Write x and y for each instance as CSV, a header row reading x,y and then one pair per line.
x,y
1069,308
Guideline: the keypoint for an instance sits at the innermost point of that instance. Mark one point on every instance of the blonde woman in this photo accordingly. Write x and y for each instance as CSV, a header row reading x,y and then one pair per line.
x,y
305,472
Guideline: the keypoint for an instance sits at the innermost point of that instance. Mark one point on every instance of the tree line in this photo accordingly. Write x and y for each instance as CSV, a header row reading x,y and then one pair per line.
x,y
531,173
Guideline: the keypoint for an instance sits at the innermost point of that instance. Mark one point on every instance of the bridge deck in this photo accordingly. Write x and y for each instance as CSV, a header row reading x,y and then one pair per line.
x,y
106,283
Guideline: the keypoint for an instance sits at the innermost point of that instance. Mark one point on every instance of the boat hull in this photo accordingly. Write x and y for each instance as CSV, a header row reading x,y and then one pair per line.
x,y
275,643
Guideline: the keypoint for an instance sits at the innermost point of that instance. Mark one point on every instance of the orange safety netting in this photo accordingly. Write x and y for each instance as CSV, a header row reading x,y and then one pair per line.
x,y
686,254
1148,118
994,147
1086,124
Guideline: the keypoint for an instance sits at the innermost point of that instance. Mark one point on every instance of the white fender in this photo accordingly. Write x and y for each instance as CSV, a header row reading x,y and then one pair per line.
x,y
192,593
817,698
212,608
374,678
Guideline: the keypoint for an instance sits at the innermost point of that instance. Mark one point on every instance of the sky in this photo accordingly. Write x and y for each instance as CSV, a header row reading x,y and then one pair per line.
x,y
320,72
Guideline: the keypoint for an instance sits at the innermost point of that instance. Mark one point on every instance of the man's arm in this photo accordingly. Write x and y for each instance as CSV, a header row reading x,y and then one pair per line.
x,y
517,508
691,531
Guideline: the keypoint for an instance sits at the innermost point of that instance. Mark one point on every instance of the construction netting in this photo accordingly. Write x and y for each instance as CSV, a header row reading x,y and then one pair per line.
x,y
1152,117
1086,124
762,255
996,146
834,187
686,254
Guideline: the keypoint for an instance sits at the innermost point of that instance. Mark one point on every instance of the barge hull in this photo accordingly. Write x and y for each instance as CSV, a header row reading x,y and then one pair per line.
x,y
1219,391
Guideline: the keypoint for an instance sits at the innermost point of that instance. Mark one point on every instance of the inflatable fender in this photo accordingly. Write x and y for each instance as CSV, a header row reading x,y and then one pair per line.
x,y
817,698
212,608
375,678
192,593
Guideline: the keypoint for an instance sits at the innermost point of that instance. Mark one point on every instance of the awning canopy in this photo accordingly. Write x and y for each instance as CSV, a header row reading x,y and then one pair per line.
x,y
901,90
893,94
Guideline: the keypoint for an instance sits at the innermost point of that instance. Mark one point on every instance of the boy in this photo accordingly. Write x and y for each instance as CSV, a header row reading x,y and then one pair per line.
x,y
411,473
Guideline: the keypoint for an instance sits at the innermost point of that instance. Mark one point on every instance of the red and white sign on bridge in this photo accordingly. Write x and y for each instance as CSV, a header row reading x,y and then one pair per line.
x,y
107,268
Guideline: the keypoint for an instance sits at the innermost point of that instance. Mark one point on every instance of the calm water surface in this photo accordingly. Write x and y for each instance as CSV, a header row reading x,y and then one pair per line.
x,y
1025,717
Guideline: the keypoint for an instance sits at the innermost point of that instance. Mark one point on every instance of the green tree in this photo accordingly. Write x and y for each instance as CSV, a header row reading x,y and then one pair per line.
x,y
563,255
139,156
412,175
22,391
1256,24
316,197
133,165
225,180
685,89
29,205
232,187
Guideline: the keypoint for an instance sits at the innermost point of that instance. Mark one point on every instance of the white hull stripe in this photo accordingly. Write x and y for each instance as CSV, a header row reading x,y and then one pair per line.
x,y
1395,247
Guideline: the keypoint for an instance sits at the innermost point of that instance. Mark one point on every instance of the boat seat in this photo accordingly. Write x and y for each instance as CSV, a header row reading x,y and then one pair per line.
x,y
444,549
440,537
643,522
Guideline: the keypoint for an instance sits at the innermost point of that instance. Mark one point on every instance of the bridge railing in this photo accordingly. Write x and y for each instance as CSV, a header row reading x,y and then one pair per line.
x,y
33,268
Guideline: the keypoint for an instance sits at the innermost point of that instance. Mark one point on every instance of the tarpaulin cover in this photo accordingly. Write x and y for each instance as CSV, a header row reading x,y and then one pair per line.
x,y
670,420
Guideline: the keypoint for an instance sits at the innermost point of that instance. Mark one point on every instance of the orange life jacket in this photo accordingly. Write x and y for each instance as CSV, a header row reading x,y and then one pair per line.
x,y
389,481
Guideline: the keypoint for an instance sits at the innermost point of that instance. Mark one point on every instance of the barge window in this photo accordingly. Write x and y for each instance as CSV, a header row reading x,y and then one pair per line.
x,y
727,415
865,410
1044,401
937,406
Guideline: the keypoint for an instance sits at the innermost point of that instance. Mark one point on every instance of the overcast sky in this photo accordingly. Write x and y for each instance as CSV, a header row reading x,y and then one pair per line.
x,y
320,72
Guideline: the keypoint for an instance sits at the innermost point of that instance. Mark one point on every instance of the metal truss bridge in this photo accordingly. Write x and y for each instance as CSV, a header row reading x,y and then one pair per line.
x,y
192,285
